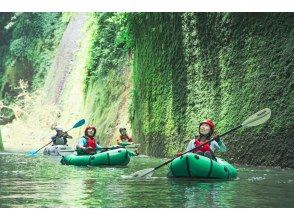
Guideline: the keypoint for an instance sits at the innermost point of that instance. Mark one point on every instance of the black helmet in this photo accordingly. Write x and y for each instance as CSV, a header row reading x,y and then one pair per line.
x,y
121,129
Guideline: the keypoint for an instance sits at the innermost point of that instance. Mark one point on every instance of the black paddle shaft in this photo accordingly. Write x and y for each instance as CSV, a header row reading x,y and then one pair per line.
x,y
234,129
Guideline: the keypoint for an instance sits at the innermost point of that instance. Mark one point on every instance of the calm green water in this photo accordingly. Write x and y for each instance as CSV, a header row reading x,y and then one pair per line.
x,y
44,182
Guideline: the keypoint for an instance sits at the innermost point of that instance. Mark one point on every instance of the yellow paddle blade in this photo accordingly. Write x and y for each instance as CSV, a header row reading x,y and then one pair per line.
x,y
257,118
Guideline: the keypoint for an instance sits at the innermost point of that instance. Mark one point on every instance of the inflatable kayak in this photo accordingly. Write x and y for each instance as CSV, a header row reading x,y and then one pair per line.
x,y
114,157
194,165
54,149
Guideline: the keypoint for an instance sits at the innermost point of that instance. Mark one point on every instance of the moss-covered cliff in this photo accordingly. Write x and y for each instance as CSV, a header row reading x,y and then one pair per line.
x,y
159,82
225,66
107,83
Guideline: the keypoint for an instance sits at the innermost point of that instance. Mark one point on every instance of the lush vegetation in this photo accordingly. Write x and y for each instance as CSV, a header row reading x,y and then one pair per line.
x,y
27,46
28,43
107,72
109,43
159,87
224,66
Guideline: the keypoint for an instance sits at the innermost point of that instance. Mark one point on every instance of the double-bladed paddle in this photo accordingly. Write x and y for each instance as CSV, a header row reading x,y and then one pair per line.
x,y
131,146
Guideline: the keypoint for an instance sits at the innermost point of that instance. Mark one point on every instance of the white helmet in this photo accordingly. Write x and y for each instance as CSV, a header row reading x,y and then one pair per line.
x,y
58,128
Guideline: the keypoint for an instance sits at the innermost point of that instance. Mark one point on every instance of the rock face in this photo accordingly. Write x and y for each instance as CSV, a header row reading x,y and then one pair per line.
x,y
223,66
45,106
65,59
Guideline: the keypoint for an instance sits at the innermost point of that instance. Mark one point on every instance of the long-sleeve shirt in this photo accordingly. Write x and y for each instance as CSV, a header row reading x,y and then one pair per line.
x,y
213,146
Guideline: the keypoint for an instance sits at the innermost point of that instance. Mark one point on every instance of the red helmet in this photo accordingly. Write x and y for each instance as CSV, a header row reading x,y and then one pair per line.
x,y
88,127
210,123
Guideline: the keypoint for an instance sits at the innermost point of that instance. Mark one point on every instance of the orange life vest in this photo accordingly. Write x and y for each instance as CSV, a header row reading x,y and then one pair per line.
x,y
124,138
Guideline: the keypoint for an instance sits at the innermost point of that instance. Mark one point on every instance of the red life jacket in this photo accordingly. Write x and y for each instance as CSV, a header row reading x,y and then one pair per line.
x,y
91,142
204,148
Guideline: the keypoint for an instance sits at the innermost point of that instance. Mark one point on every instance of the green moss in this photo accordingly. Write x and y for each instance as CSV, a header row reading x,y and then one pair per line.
x,y
159,80
107,72
224,66
20,70
109,44
29,45
103,102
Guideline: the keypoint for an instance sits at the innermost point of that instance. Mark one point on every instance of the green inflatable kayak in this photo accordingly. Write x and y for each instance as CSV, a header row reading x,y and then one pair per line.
x,y
194,165
114,157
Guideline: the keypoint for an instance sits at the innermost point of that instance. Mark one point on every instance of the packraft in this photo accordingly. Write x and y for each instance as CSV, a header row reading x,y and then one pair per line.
x,y
114,157
198,166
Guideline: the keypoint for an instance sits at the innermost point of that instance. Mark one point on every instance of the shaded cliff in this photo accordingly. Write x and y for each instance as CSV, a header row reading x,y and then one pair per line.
x,y
223,66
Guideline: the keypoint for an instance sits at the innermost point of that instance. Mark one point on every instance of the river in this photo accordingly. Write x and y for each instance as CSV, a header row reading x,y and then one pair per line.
x,y
43,182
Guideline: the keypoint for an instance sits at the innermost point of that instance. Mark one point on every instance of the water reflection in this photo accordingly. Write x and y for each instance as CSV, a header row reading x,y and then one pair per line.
x,y
44,182
201,193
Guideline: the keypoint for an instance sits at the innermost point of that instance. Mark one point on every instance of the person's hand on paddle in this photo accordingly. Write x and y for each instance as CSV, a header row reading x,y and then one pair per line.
x,y
90,150
65,134
216,138
179,154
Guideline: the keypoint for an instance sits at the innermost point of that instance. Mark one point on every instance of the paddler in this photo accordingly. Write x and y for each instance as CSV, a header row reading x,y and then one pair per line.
x,y
88,144
206,130
124,139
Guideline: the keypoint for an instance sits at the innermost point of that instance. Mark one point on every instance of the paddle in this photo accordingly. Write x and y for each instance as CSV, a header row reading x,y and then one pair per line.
x,y
254,120
131,146
76,125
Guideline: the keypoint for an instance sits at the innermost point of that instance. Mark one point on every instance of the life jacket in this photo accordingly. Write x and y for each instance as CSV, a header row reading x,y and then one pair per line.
x,y
59,140
125,138
91,142
204,148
